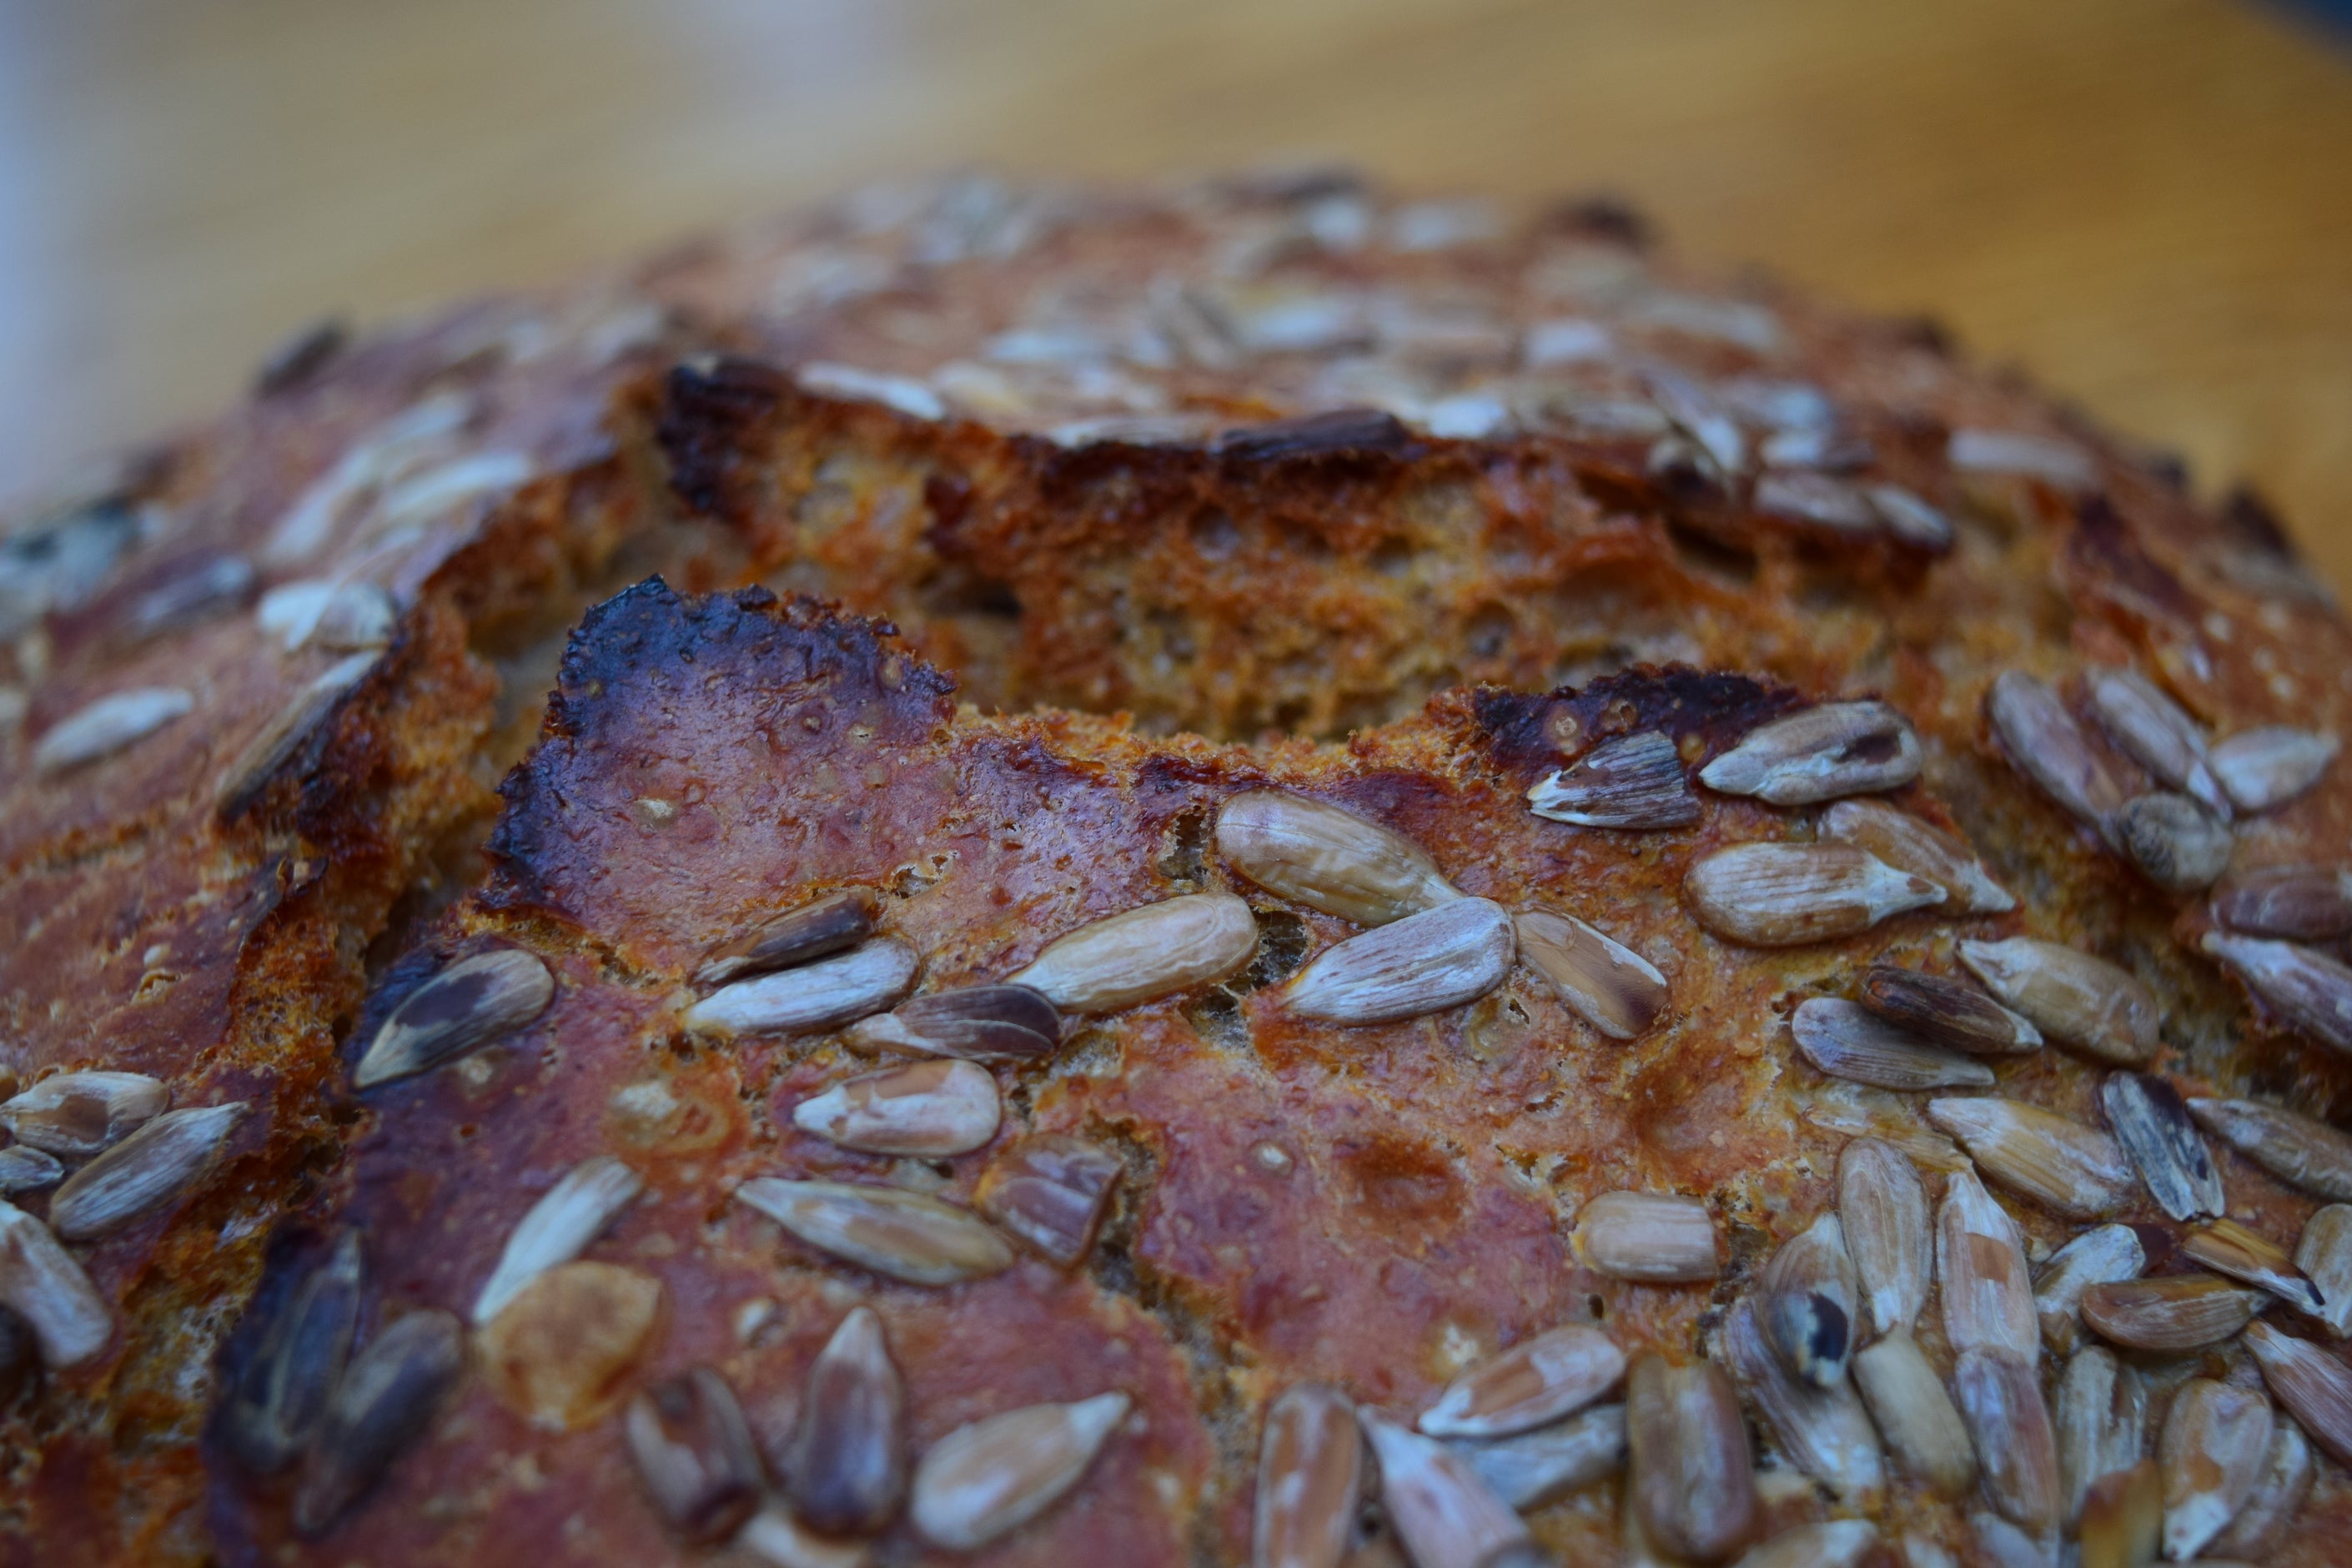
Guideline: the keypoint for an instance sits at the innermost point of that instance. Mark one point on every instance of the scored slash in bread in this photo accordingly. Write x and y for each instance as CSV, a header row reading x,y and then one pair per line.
x,y
874,1103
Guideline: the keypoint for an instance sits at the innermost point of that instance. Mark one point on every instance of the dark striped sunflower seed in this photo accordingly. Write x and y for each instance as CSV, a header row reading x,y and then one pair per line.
x,y
1309,1479
1908,844
2294,1148
693,1452
155,1165
281,1396
1825,1430
833,923
1632,781
463,1008
1818,754
2215,1439
1049,1191
981,1023
2295,903
386,1399
847,1470
2178,1314
1318,855
1948,1012
2177,844
1783,895
2312,990
1845,1041
2151,1121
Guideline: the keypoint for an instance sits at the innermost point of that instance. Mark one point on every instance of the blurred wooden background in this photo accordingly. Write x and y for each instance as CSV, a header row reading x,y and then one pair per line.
x,y
2147,202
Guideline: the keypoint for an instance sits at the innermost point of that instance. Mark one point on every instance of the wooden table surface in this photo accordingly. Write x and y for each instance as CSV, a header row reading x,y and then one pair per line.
x,y
2148,203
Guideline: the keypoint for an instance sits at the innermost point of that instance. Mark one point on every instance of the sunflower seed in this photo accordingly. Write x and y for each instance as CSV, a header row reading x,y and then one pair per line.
x,y
281,1396
1538,1468
903,1234
2278,1496
2072,997
846,1472
812,997
2017,452
1921,1426
2315,1386
2000,1398
2312,990
1801,495
693,1450
1882,1216
1807,1301
2000,1544
343,616
2177,844
2180,1312
106,726
2105,1255
2157,735
1050,1190
1839,1543
75,1115
2299,903
42,1284
2228,1247
2151,1122
1825,1430
2262,768
1444,1513
1693,1486
2100,1417
1423,963
2325,1256
1632,781
1910,519
1782,895
463,1008
982,1022
1656,1239
1988,1303
1326,859
559,1353
1611,987
1820,754
385,1400
2121,1521
1844,1041
772,1535
2046,745
25,1169
2295,1149
1141,955
982,1481
558,1227
1948,1012
927,1110
1309,1476
1539,1380
833,923
1908,844
304,715
2076,1170
2215,1440
155,1165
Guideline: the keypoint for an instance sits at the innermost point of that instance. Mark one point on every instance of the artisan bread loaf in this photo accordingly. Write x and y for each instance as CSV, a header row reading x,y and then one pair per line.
x,y
1251,873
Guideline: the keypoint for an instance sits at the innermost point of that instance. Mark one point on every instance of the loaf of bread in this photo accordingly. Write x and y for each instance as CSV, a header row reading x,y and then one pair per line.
x,y
1247,873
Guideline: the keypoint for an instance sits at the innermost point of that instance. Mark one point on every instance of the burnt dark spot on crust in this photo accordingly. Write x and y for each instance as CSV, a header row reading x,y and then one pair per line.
x,y
299,360
2250,519
1603,216
707,420
1342,433
1525,732
2106,563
